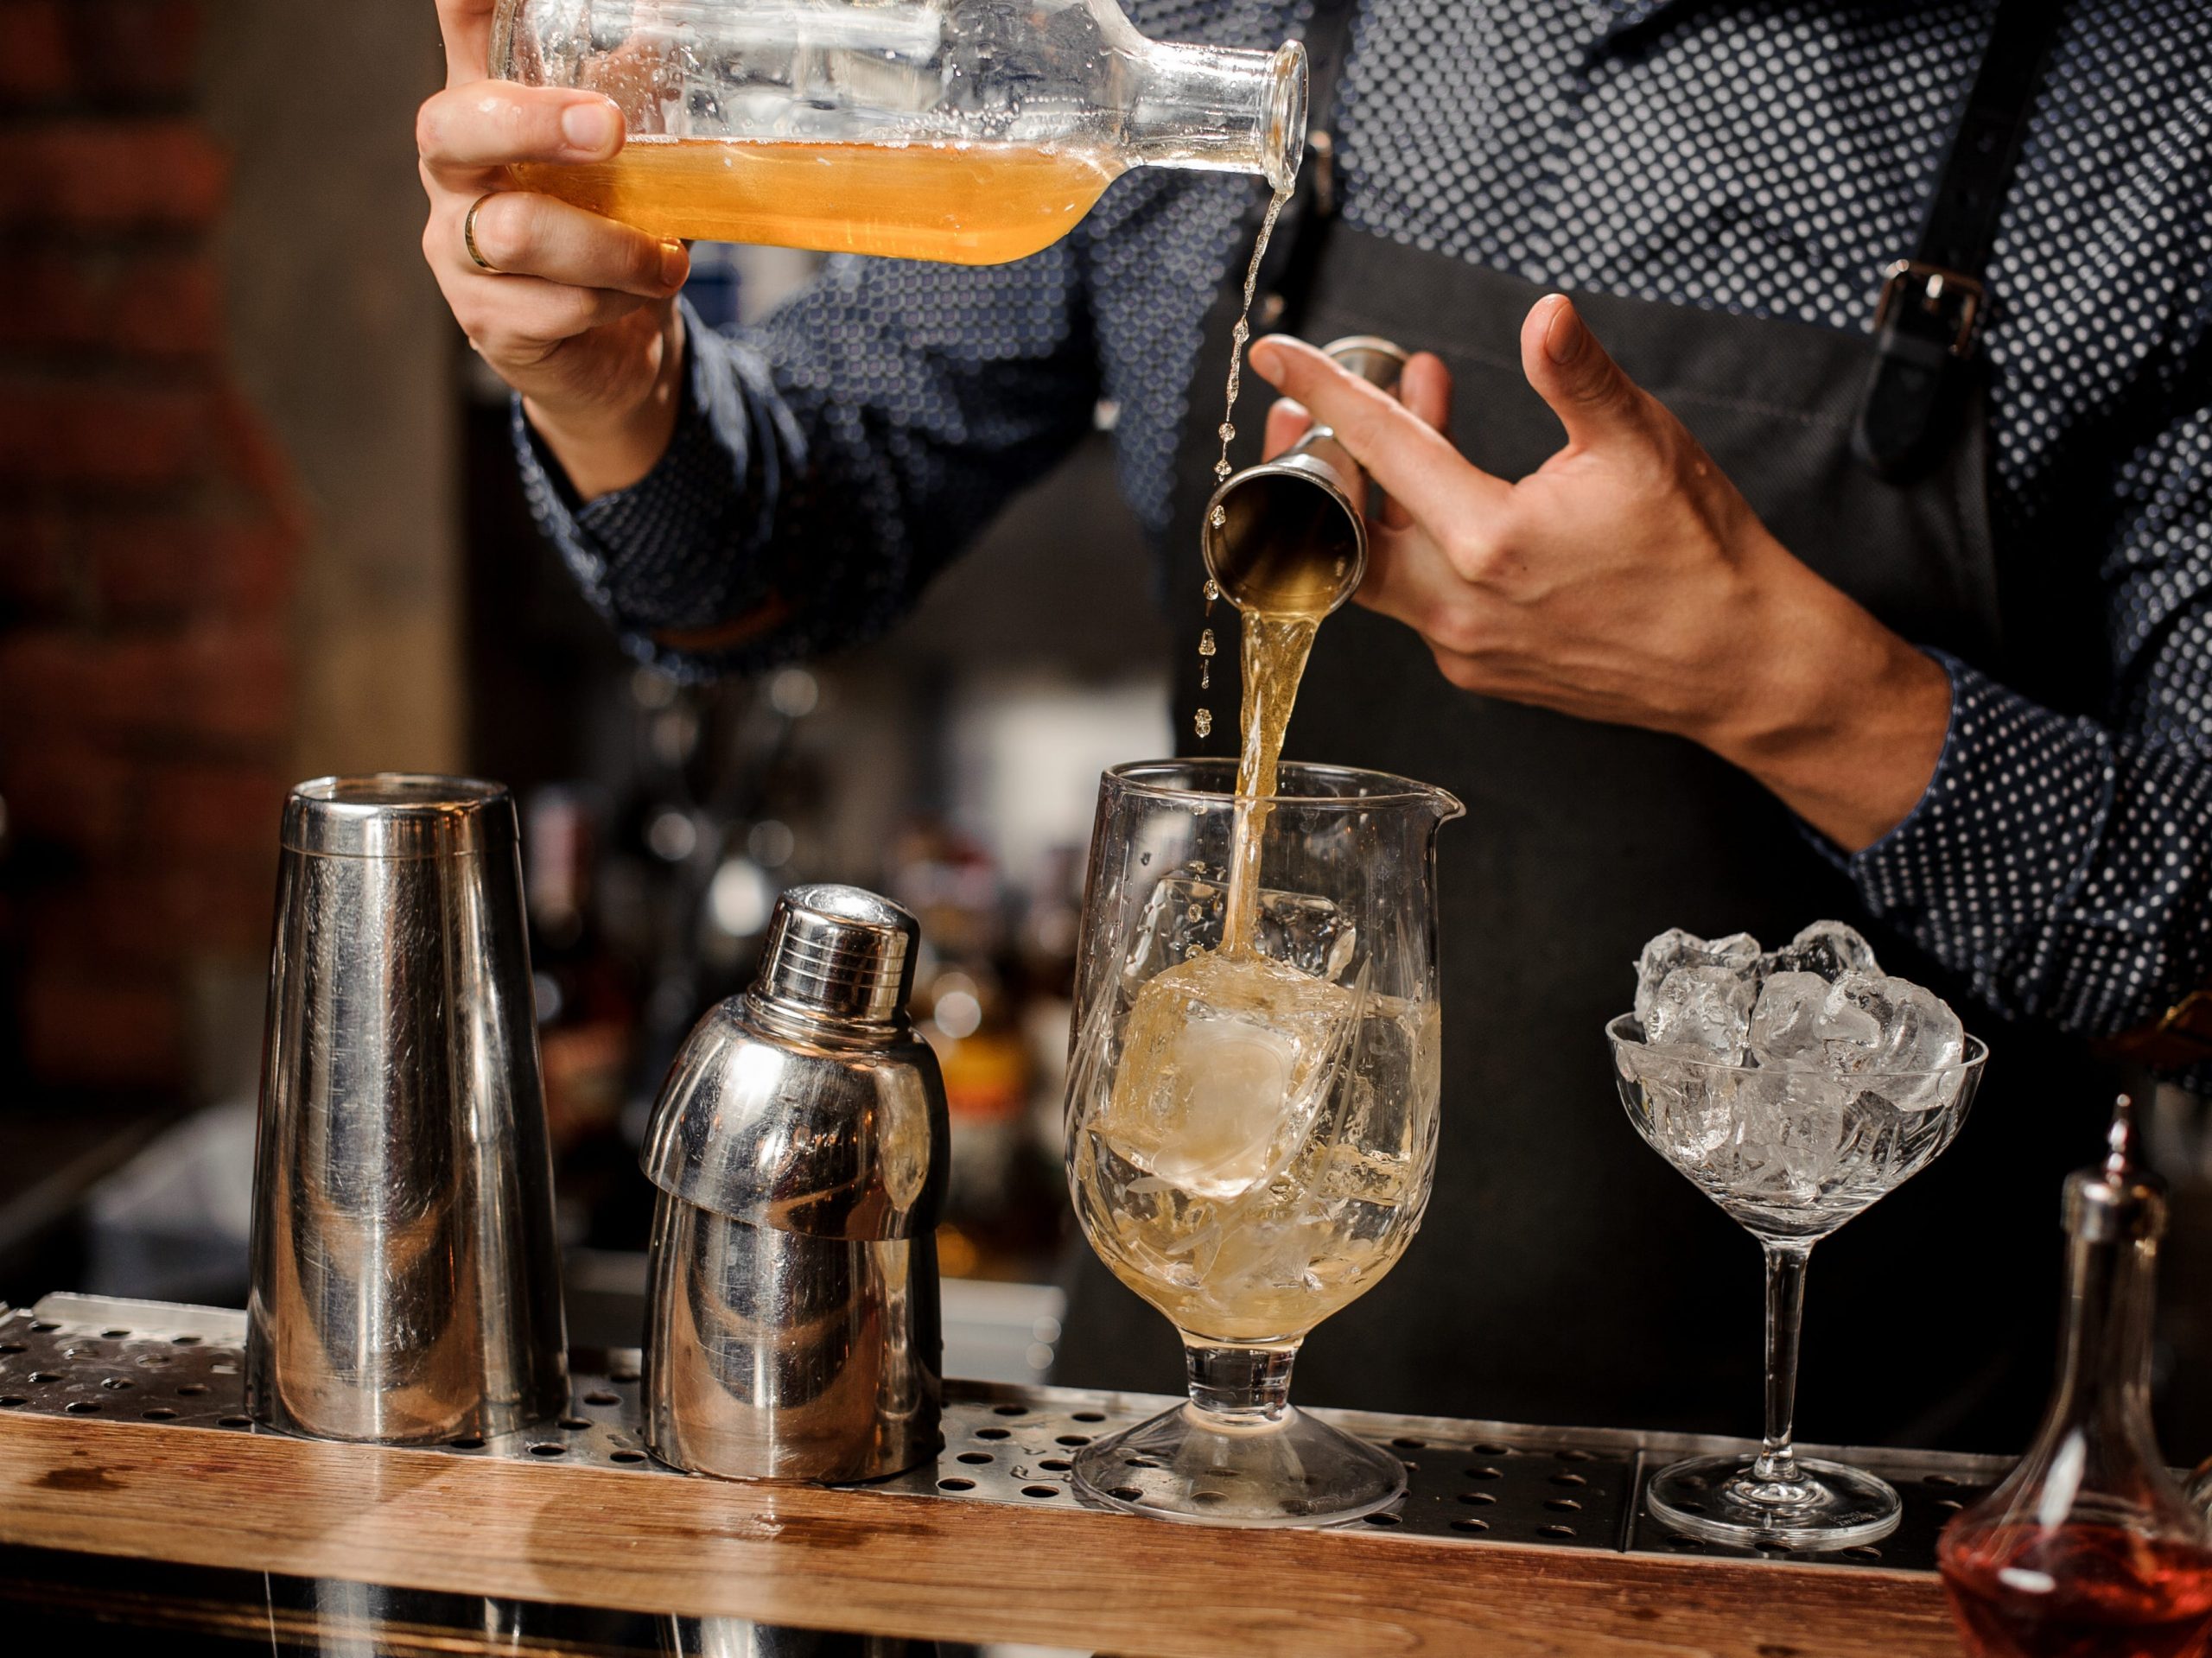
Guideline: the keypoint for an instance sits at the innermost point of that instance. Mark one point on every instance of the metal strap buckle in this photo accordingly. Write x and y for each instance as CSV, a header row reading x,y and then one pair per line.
x,y
1937,291
2180,1038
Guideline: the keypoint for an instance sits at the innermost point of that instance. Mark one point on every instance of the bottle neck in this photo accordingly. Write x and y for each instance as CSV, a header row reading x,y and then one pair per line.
x,y
1215,108
2104,1367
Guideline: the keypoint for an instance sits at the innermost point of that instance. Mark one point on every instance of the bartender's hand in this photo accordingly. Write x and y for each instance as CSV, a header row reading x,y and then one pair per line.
x,y
1626,581
578,312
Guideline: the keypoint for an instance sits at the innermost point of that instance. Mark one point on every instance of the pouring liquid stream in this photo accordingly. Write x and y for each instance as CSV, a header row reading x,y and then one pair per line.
x,y
1239,337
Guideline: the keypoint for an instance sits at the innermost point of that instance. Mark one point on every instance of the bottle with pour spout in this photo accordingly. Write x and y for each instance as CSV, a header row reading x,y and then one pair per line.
x,y
969,131
2088,1549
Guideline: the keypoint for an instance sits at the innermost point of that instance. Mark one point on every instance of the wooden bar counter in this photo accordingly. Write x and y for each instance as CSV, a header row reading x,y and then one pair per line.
x,y
121,1438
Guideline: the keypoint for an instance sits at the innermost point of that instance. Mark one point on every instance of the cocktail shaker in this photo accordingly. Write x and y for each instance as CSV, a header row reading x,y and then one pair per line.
x,y
1290,534
405,1282
800,1147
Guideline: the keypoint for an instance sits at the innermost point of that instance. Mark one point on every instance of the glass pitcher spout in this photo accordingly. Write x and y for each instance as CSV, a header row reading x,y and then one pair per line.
x,y
969,131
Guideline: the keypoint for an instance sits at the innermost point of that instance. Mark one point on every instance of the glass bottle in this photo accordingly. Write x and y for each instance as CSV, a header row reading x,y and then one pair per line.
x,y
2087,1548
971,131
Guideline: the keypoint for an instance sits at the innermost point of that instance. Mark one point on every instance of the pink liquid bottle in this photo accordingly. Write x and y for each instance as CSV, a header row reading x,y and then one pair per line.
x,y
2087,1549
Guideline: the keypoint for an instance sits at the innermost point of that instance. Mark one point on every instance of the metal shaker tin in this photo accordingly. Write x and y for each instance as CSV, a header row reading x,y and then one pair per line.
x,y
800,1145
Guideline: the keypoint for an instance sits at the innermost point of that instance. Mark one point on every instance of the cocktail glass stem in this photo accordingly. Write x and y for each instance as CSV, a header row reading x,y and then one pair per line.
x,y
1240,1387
1785,1312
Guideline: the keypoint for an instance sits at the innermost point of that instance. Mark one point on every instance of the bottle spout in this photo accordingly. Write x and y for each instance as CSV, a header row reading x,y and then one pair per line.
x,y
1283,137
2120,1198
2120,1160
1217,109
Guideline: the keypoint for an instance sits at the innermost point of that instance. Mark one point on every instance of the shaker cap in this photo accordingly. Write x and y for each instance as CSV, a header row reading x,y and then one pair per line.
x,y
839,952
2120,1198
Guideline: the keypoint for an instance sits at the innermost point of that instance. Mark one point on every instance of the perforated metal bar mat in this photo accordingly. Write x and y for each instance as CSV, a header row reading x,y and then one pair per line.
x,y
1472,1483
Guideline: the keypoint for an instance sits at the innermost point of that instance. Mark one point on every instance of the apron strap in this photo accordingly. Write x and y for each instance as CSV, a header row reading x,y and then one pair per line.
x,y
1931,303
1302,232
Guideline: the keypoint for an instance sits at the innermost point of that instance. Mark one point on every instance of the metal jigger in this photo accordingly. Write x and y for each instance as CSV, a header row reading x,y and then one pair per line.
x,y
1289,535
406,1285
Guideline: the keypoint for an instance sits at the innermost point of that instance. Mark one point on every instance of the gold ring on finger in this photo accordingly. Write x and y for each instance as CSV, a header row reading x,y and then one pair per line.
x,y
468,234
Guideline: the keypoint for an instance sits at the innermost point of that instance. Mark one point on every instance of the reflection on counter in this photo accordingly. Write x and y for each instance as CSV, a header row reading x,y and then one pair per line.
x,y
52,1603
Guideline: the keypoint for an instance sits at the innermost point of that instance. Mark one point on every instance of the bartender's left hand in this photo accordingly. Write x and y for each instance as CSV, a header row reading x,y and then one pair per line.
x,y
1626,580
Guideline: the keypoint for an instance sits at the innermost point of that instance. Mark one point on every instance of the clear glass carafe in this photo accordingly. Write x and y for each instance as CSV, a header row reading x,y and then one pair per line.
x,y
971,131
2087,1549
1251,1129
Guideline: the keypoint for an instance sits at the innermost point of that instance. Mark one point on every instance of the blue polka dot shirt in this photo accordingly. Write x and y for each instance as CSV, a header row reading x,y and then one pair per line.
x,y
1764,157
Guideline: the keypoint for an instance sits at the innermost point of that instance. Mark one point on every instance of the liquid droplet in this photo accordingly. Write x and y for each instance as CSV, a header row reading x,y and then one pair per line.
x,y
1203,723
1221,469
1206,646
1218,517
1228,432
1213,590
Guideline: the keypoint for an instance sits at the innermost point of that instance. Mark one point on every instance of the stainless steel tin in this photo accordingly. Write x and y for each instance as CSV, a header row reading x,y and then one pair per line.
x,y
405,1278
792,1325
1290,533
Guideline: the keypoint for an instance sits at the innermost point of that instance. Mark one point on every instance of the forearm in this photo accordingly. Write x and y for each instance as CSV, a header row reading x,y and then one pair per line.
x,y
1842,719
613,446
820,470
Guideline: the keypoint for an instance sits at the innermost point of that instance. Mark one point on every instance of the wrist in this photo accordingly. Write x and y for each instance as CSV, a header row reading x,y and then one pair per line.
x,y
611,443
1838,716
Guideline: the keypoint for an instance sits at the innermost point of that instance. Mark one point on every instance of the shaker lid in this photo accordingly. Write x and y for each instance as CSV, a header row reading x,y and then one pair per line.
x,y
840,951
2120,1198
398,815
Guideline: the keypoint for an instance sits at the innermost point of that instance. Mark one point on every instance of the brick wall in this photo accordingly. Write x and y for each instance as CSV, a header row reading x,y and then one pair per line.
x,y
148,538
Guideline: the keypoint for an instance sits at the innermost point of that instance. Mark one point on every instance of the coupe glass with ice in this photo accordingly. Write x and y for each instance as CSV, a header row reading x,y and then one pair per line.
x,y
1795,1087
1251,1121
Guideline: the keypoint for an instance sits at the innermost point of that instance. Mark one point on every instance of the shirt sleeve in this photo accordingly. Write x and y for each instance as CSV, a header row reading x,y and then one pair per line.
x,y
826,465
2064,864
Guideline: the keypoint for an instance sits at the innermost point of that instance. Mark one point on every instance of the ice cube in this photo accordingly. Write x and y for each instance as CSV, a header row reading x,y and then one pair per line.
x,y
1184,917
1909,1039
1704,1010
1792,1127
1689,1119
1830,949
1673,950
1785,1030
1226,1065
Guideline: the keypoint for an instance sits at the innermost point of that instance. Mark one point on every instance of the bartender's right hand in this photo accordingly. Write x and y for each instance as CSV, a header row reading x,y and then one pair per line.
x,y
575,311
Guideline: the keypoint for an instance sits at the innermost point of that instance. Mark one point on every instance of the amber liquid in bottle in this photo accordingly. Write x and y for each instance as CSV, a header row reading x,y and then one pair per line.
x,y
2106,1593
957,204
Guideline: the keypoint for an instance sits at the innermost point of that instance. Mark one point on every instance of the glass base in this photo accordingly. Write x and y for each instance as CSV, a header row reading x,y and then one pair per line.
x,y
1722,1500
1289,1470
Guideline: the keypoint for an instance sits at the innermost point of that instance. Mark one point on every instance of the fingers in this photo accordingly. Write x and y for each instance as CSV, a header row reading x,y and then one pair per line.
x,y
1593,398
1287,422
1399,450
1425,388
527,235
466,27
493,124
1409,581
523,319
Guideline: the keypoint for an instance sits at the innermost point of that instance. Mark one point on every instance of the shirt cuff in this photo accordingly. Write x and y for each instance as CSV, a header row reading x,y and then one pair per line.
x,y
647,555
2000,840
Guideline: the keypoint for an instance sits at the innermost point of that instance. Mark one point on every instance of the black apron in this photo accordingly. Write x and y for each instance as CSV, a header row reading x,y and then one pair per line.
x,y
1565,1273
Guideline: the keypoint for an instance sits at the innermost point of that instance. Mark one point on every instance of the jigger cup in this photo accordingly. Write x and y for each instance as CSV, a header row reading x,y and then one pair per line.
x,y
405,1283
1290,534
